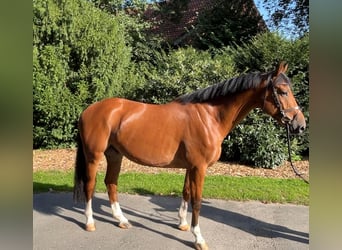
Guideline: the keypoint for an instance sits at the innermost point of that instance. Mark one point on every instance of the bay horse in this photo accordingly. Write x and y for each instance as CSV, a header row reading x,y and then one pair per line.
x,y
184,133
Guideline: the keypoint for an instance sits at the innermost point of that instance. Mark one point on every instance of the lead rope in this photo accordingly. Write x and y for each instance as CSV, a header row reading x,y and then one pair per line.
x,y
290,158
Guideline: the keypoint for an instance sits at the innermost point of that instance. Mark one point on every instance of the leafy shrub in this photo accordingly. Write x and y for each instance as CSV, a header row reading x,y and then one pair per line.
x,y
182,71
55,107
80,56
257,141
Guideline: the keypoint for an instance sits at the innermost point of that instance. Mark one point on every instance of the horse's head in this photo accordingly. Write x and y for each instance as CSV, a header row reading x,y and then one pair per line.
x,y
280,103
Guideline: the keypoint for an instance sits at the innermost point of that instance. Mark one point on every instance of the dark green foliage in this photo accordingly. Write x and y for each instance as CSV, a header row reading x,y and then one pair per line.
x,y
179,72
79,56
173,10
257,141
227,23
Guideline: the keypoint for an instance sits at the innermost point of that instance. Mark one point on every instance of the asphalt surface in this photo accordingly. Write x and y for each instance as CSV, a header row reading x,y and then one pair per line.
x,y
58,224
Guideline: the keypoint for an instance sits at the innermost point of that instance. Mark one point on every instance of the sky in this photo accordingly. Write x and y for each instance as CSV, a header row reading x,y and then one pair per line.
x,y
265,15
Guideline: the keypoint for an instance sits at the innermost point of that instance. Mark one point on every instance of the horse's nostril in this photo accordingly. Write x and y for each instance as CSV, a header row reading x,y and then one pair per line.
x,y
301,129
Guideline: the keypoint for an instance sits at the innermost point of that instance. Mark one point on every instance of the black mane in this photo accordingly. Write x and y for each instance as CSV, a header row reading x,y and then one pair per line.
x,y
224,88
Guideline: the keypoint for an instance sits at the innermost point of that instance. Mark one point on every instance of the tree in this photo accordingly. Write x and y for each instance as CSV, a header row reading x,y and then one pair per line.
x,y
131,13
291,16
227,23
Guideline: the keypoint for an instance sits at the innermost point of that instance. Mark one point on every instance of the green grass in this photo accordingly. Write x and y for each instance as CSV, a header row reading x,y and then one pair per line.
x,y
221,187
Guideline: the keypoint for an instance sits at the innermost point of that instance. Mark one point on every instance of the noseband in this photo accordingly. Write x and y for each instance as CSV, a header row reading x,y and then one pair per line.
x,y
284,118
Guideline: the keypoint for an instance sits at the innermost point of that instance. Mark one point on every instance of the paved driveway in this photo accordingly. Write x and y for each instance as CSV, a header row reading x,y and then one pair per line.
x,y
58,224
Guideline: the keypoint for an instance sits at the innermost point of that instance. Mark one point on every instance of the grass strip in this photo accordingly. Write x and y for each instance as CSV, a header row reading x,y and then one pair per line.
x,y
268,190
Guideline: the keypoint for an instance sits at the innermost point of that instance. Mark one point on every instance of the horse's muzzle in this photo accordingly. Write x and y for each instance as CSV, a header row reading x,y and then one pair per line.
x,y
298,124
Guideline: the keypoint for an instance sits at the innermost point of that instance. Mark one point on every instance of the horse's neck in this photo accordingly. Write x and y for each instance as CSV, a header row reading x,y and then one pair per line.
x,y
235,108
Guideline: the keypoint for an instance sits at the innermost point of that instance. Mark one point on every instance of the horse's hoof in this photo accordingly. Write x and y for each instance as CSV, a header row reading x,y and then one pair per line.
x,y
125,225
90,227
202,246
185,227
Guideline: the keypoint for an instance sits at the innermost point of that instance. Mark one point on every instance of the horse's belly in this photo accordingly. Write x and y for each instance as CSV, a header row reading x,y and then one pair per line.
x,y
151,150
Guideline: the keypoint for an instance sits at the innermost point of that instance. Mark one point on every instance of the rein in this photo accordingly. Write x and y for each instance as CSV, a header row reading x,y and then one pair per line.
x,y
286,121
290,158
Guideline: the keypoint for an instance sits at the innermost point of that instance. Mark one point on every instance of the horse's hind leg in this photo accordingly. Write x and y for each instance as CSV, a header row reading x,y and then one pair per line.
x,y
114,160
92,162
183,209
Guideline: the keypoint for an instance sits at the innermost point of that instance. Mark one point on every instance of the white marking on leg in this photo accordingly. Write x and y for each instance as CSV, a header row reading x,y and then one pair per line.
x,y
183,211
117,214
198,236
89,213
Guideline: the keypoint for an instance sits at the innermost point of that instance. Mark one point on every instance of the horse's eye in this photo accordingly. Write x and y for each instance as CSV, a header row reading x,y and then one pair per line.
x,y
282,93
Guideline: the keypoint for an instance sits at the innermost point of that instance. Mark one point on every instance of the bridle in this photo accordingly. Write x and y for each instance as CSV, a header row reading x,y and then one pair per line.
x,y
284,119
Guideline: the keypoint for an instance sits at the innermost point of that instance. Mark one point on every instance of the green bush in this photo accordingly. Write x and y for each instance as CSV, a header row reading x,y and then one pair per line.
x,y
257,141
55,108
80,56
181,71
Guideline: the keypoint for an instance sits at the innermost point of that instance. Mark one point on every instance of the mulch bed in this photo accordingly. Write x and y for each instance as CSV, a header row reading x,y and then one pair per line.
x,y
64,159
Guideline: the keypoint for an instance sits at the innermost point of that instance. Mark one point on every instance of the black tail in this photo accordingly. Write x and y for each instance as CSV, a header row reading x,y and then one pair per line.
x,y
80,176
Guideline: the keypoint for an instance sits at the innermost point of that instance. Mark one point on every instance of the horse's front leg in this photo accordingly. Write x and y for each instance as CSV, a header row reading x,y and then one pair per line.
x,y
183,209
196,179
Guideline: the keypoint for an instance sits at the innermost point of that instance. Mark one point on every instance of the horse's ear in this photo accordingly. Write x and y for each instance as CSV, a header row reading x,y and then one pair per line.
x,y
281,68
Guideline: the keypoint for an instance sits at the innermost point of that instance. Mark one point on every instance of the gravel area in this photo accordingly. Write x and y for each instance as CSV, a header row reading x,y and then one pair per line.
x,y
63,160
